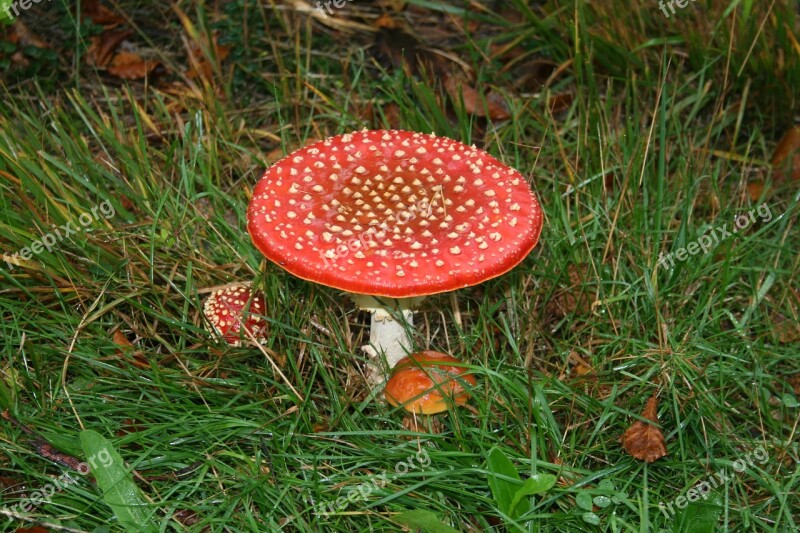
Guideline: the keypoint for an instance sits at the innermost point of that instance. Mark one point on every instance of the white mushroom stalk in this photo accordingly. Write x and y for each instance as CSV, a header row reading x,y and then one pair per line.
x,y
391,325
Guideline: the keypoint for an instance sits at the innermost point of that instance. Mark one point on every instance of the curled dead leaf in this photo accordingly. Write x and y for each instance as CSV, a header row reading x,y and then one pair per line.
x,y
127,351
202,61
102,49
560,102
755,189
580,367
786,158
19,33
489,105
643,440
386,22
99,14
130,66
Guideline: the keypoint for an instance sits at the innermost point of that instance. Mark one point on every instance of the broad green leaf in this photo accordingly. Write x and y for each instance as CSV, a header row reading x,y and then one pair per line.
x,y
584,501
503,479
427,521
113,479
789,400
591,518
698,517
602,501
606,484
533,485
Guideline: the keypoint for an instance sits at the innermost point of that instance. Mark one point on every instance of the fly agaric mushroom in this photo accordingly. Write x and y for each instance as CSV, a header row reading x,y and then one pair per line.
x,y
427,383
225,311
391,216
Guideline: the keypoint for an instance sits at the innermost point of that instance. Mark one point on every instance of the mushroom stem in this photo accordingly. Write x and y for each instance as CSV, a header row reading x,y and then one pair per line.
x,y
390,335
391,323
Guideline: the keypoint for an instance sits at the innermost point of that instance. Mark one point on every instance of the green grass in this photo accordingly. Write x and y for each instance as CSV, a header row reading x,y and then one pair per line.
x,y
669,120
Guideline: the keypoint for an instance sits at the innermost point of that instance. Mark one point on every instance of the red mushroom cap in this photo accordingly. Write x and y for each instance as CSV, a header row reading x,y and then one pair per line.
x,y
225,310
426,383
393,213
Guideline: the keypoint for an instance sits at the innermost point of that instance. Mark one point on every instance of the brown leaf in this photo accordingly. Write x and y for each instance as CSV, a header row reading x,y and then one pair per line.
x,y
489,106
48,451
25,37
202,61
794,381
785,331
127,203
386,22
102,48
560,102
580,367
99,14
126,349
9,486
755,189
130,66
786,157
643,440
121,340
34,529
9,33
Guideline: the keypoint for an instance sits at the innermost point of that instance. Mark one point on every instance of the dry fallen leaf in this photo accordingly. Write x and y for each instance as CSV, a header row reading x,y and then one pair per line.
x,y
99,14
202,61
122,341
580,367
794,381
102,48
786,158
20,34
643,440
755,189
785,330
560,102
481,106
125,349
130,66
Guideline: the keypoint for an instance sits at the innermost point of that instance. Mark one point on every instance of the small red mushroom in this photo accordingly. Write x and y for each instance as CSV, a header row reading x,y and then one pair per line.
x,y
225,311
391,216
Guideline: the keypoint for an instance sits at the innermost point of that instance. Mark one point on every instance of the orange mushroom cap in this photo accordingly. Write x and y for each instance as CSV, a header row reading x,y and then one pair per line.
x,y
426,383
